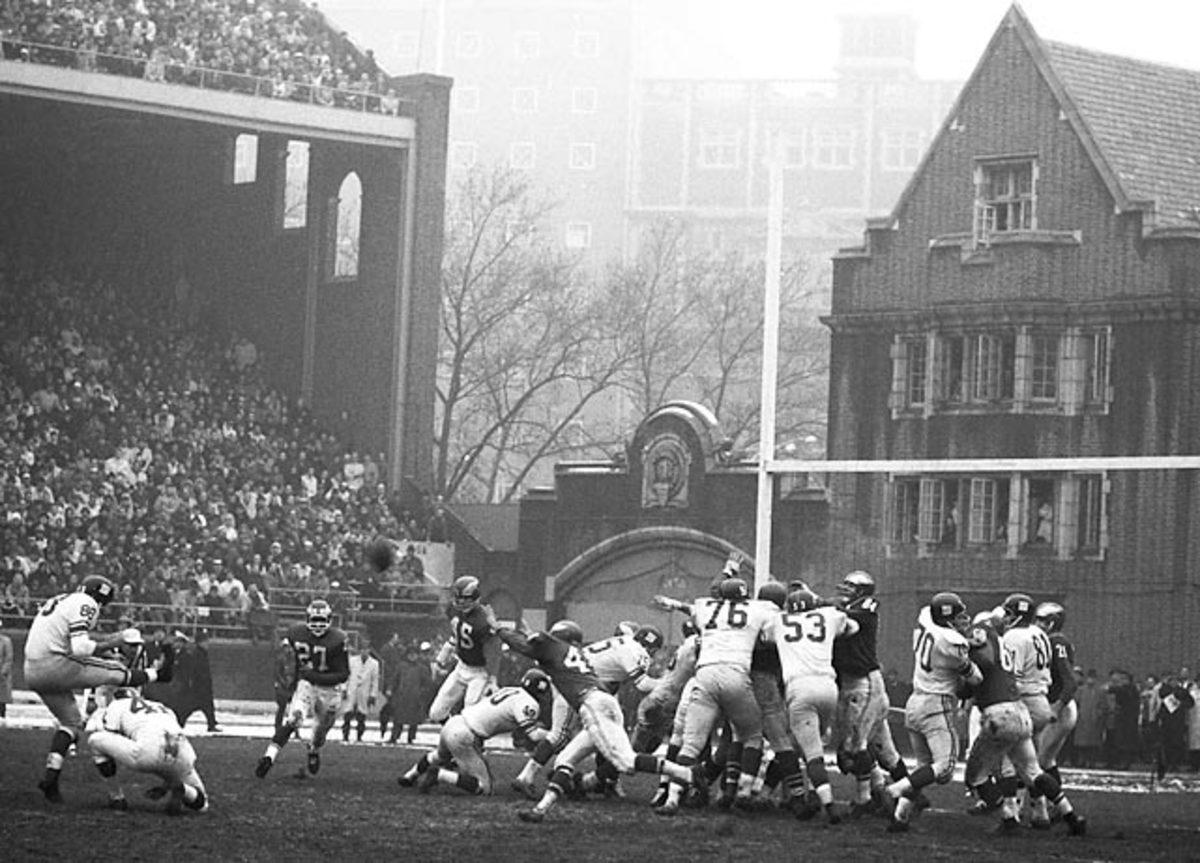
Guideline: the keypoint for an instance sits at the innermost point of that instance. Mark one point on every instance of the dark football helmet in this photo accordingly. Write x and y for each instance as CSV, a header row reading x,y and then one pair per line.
x,y
1050,616
855,587
465,593
948,609
536,682
1018,610
568,630
734,588
689,627
802,600
98,588
774,592
319,617
649,637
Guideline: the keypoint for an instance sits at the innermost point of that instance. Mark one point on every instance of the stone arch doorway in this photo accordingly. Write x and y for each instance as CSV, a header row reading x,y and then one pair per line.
x,y
616,579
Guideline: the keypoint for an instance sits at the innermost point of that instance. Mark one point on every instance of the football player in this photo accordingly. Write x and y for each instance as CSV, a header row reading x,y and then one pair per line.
x,y
322,668
1050,617
804,634
462,737
142,735
861,733
656,712
61,656
1006,734
940,668
473,645
729,628
573,676
1029,647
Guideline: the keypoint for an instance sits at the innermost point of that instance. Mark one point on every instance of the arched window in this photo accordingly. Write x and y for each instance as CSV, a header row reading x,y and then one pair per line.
x,y
295,185
245,158
347,218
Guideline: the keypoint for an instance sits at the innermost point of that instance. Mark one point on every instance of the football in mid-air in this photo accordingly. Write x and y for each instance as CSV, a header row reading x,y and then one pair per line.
x,y
380,555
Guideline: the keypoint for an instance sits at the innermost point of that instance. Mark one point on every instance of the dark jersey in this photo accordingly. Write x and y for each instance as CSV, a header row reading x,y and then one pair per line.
x,y
765,658
322,660
855,655
469,631
1062,669
995,663
569,670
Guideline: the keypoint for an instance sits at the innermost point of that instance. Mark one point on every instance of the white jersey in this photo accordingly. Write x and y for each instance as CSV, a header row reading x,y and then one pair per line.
x,y
617,659
680,669
729,629
939,657
136,718
1030,649
804,640
59,620
506,710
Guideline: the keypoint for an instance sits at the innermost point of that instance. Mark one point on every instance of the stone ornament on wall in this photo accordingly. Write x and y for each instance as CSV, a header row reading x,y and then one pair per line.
x,y
666,463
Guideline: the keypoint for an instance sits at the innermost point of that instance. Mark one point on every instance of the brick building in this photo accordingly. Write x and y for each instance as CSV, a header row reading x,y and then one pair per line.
x,y
1035,292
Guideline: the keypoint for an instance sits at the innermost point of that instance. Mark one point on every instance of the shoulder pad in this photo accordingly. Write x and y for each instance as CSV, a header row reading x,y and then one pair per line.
x,y
869,604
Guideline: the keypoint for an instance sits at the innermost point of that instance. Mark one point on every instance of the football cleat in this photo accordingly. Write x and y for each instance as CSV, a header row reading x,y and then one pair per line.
x,y
1040,823
118,804
525,789
669,809
1077,826
895,825
532,816
1008,826
406,781
862,810
980,807
314,762
832,816
699,789
805,807
263,767
660,797
49,789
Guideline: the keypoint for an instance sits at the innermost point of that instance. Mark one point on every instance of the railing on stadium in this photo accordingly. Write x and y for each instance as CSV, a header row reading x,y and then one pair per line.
x,y
173,72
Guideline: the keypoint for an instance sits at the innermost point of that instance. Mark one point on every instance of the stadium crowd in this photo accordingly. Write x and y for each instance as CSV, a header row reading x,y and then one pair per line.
x,y
278,48
135,448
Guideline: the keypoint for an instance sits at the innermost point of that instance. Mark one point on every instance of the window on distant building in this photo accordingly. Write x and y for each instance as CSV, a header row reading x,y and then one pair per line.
x,y
407,44
346,221
1043,366
465,99
583,100
832,149
295,186
468,45
1005,197
463,154
525,100
527,45
795,151
974,367
587,43
1095,348
245,159
720,148
579,235
522,155
901,149
909,372
1061,515
583,157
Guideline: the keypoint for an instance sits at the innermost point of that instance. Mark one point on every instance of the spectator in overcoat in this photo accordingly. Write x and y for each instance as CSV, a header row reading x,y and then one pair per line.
x,y
406,691
1088,737
362,691
193,682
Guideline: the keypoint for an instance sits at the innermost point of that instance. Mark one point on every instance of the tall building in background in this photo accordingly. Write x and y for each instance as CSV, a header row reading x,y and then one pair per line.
x,y
540,85
848,144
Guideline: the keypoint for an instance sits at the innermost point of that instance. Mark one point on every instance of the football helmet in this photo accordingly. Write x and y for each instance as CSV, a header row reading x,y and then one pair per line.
x,y
568,630
774,592
856,586
536,682
802,600
318,617
948,609
465,592
714,589
1018,610
98,588
689,627
1050,616
649,637
627,627
734,588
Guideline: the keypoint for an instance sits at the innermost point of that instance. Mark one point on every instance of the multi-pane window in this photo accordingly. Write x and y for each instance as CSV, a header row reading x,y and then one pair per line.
x,y
468,45
463,154
582,157
245,159
1095,348
578,235
466,99
521,155
587,43
406,44
347,220
909,372
525,100
975,367
1061,515
1043,370
583,100
527,45
720,148
832,148
795,154
1004,198
295,185
901,149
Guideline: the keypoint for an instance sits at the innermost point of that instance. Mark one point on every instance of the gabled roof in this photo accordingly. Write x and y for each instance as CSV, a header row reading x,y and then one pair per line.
x,y
1139,122
1145,119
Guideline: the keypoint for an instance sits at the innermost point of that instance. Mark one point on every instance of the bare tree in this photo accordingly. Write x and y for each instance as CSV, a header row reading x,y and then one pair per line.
x,y
524,344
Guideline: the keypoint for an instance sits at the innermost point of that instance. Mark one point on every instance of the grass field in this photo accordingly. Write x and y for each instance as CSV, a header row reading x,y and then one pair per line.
x,y
354,811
